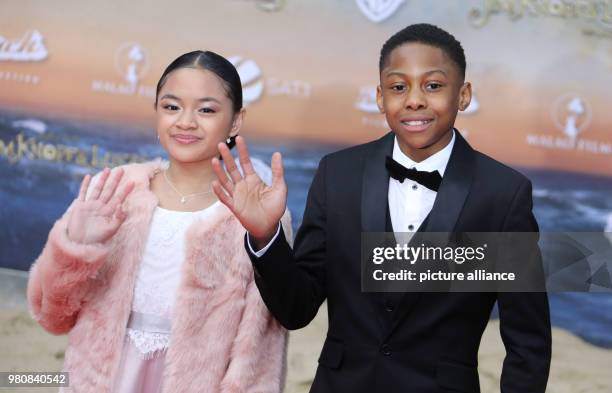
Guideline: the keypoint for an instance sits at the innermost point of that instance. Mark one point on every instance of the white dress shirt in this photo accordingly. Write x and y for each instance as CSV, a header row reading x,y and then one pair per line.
x,y
409,202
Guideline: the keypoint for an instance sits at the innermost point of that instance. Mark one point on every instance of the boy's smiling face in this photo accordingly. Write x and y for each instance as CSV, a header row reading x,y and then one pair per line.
x,y
421,89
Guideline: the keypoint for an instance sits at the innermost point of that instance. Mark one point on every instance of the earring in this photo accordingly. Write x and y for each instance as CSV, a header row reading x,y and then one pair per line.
x,y
230,141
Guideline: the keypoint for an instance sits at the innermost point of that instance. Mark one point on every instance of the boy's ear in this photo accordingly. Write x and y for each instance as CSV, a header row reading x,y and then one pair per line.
x,y
379,99
237,122
465,96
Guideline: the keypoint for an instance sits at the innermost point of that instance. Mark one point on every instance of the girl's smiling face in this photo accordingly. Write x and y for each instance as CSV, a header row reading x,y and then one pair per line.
x,y
194,114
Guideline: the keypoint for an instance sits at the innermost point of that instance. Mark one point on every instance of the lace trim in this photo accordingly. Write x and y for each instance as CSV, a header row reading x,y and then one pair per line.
x,y
149,345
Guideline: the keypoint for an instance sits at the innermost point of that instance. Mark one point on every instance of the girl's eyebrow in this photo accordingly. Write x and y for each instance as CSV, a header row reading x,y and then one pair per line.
x,y
170,96
206,99
203,99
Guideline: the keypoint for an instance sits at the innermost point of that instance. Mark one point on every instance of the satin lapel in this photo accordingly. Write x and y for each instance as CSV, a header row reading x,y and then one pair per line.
x,y
454,188
444,214
374,206
375,186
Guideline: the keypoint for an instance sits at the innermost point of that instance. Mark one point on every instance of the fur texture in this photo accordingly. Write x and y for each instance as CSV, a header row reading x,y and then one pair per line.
x,y
223,338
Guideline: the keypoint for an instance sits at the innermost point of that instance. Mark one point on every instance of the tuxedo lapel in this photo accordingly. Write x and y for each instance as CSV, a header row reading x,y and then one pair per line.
x,y
444,214
375,186
454,188
374,210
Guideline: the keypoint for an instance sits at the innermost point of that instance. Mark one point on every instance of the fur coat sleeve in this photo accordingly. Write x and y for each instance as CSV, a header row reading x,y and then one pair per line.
x,y
60,278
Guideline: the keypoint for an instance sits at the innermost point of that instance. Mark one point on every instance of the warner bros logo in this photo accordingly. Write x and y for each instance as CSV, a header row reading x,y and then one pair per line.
x,y
379,10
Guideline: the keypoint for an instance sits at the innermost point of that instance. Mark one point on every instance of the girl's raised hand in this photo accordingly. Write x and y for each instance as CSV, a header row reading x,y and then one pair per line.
x,y
96,218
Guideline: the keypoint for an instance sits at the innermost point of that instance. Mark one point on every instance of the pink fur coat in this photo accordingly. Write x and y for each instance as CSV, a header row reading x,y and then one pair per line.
x,y
223,338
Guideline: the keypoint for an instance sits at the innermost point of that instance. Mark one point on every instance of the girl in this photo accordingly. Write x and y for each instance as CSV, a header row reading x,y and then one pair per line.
x,y
147,270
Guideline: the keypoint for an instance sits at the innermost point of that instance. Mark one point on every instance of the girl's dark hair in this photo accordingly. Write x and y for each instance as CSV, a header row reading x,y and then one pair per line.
x,y
217,64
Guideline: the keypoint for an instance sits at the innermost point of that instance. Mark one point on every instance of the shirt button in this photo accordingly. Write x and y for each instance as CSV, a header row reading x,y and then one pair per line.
x,y
411,227
385,349
414,186
389,306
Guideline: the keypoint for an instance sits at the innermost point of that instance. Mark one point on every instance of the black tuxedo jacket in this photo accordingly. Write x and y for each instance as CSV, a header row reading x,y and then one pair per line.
x,y
413,342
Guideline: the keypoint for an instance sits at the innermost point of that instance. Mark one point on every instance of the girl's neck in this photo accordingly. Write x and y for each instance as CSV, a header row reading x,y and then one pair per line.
x,y
191,177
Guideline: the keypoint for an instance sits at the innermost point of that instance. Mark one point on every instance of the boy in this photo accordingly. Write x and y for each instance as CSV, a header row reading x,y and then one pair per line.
x,y
385,342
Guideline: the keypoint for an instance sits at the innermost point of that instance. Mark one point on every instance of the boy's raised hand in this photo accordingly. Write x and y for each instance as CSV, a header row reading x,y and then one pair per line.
x,y
257,206
96,218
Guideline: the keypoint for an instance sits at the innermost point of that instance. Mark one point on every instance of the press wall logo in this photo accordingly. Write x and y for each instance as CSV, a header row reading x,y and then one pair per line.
x,y
571,114
254,85
131,64
378,10
366,103
594,14
267,5
270,5
250,76
28,48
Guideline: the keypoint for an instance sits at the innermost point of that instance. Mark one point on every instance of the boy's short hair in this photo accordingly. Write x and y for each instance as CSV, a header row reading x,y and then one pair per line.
x,y
426,34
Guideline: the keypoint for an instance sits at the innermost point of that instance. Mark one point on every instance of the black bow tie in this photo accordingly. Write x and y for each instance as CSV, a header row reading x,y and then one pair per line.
x,y
400,173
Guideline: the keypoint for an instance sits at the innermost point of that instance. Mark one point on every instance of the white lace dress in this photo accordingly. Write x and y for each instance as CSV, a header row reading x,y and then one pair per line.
x,y
148,333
